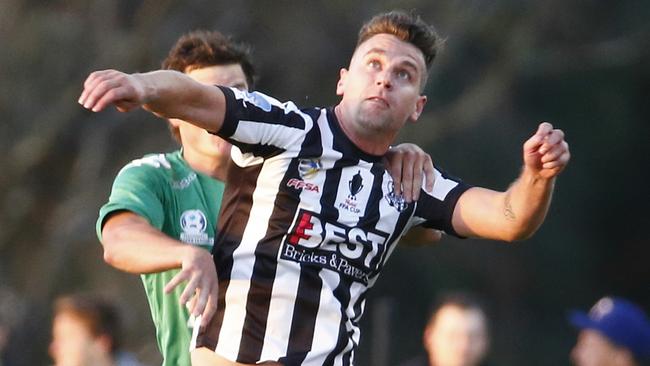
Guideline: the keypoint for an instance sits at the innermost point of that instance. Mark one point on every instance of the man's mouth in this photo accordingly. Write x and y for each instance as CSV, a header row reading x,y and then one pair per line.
x,y
379,100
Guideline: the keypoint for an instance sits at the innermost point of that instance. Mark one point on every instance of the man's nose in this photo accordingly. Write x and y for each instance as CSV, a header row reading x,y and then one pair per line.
x,y
383,79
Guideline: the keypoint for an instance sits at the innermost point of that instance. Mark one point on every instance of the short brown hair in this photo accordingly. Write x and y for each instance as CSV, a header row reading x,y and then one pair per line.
x,y
460,299
98,315
408,27
201,48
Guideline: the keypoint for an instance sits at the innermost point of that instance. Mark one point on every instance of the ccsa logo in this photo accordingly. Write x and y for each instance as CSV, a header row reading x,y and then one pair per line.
x,y
193,226
309,167
193,222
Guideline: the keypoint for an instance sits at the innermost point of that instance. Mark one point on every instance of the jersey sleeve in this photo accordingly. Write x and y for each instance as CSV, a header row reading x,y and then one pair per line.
x,y
435,208
259,124
137,189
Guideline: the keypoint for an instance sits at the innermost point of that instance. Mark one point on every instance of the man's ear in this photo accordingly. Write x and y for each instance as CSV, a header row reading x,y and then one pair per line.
x,y
426,335
343,73
419,107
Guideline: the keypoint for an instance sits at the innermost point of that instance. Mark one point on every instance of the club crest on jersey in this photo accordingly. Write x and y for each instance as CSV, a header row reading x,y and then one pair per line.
x,y
393,199
194,223
309,167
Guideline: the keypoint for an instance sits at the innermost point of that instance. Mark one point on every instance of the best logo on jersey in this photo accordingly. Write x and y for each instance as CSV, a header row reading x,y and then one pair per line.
x,y
351,251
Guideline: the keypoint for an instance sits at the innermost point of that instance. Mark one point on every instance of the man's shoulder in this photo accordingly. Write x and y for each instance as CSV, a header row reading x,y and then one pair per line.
x,y
153,161
267,102
155,164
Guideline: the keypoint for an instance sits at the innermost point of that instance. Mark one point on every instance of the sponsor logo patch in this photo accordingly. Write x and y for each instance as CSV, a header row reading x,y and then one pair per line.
x,y
351,251
301,184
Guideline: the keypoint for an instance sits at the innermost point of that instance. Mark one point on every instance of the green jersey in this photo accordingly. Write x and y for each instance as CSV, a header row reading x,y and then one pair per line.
x,y
183,204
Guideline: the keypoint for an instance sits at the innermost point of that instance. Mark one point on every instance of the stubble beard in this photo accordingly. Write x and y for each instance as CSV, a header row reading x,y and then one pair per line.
x,y
373,121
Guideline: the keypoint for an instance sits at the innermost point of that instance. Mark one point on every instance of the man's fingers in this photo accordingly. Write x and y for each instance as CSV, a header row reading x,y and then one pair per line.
x,y
408,167
192,303
553,154
429,173
418,170
89,84
111,96
560,162
202,300
102,94
171,285
396,173
553,139
189,290
532,145
544,128
210,310
103,88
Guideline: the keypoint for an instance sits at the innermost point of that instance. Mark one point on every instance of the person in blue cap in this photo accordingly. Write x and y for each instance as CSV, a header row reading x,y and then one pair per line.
x,y
615,332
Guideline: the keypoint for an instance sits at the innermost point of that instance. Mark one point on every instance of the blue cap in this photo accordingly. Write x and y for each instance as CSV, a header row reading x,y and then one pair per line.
x,y
621,321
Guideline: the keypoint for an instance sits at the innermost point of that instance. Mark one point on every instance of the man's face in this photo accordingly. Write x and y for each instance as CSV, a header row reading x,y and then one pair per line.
x,y
381,89
72,344
456,337
594,349
198,141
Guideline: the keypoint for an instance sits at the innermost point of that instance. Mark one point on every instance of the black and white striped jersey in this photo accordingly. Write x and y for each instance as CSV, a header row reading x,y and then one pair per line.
x,y
307,223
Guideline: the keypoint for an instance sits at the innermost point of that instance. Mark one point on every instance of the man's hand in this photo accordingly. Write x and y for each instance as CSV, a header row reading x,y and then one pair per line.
x,y
112,87
546,153
202,287
408,164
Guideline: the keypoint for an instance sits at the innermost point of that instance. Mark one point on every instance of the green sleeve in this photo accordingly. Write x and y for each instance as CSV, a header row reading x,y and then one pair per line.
x,y
137,188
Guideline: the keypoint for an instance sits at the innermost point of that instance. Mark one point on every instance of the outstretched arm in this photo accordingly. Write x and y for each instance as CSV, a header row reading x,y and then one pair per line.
x,y
166,93
518,212
131,244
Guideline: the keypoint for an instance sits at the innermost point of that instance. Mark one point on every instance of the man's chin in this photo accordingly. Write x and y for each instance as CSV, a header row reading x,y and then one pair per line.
x,y
374,120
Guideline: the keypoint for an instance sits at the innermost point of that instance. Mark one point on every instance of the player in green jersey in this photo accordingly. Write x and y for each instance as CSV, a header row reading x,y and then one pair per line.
x,y
162,202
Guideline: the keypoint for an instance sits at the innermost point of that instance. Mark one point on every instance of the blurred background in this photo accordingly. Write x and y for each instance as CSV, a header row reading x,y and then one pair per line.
x,y
508,64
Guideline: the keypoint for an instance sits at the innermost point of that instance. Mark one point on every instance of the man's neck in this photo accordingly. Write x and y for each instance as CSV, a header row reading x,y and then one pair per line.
x,y
210,166
369,143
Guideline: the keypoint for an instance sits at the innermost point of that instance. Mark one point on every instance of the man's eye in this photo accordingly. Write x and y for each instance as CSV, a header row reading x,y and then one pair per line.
x,y
404,75
374,64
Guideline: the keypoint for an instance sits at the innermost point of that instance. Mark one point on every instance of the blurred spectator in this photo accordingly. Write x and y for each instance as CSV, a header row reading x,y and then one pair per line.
x,y
615,332
456,333
11,314
85,332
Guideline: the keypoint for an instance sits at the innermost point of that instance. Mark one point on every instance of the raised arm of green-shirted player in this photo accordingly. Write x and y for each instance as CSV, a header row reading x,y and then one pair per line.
x,y
131,244
166,93
518,212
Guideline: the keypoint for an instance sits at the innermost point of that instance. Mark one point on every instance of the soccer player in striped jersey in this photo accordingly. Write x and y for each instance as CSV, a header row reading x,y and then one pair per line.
x,y
162,212
310,215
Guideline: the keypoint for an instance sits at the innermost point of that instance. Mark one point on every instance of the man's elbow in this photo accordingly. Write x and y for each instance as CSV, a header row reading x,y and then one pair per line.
x,y
518,234
110,240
